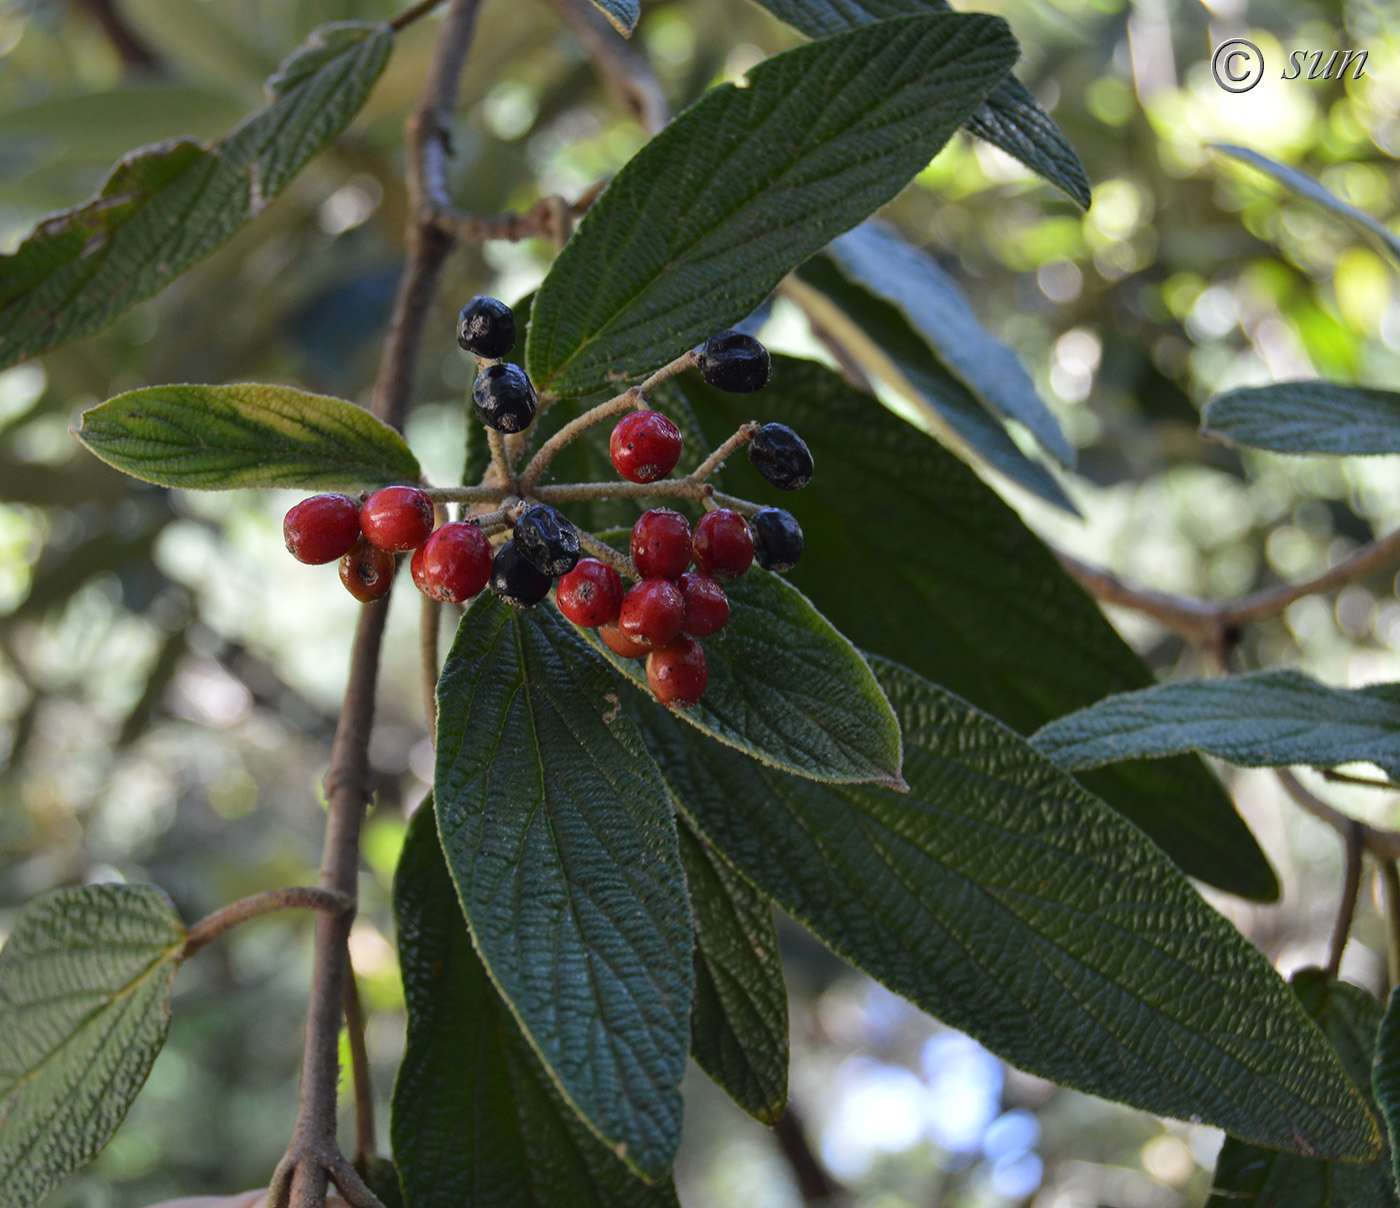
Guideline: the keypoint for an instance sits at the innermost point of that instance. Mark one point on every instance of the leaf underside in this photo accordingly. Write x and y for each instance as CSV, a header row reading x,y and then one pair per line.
x,y
1385,1076
1307,417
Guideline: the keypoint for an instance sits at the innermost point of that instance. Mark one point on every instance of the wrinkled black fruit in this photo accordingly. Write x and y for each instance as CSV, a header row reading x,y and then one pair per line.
x,y
503,398
515,580
486,327
547,540
777,539
782,457
735,363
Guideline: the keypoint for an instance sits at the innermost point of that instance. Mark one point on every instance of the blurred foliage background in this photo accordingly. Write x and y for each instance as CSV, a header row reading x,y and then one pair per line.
x,y
169,677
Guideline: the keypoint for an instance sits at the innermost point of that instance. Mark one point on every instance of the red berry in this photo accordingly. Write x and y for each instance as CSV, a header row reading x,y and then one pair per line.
x,y
397,519
322,528
619,643
706,605
661,544
645,446
453,564
652,612
676,674
590,594
367,572
723,544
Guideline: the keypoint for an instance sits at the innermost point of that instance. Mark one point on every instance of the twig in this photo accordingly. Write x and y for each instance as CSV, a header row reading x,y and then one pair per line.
x,y
666,488
1365,782
627,76
296,897
626,401
1215,625
605,553
814,1184
1390,878
500,461
410,15
1381,843
735,504
482,494
1351,889
359,1070
132,51
716,459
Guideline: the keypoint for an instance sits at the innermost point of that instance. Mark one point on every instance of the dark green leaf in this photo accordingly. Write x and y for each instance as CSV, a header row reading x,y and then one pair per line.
x,y
84,1007
477,1123
167,206
213,437
1266,720
1305,186
1001,897
915,558
1247,1175
787,688
1385,1076
935,307
1010,118
623,14
560,838
884,343
1307,417
747,183
739,1028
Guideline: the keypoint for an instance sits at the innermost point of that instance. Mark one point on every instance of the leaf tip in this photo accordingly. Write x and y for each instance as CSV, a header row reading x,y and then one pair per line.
x,y
896,784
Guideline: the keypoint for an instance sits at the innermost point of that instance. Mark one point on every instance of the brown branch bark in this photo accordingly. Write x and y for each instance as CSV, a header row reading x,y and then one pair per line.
x,y
134,52
626,75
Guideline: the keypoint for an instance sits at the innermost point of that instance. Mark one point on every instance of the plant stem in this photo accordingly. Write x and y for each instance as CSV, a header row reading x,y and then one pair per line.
x,y
430,621
1381,843
716,459
410,15
606,554
500,461
1351,889
626,401
296,897
359,1069
1390,877
666,488
627,74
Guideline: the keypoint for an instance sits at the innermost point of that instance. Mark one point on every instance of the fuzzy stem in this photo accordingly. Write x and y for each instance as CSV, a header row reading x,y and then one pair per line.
x,y
605,553
297,897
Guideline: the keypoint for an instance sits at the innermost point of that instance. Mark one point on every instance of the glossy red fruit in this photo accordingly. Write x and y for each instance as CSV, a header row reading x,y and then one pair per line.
x,y
397,519
322,528
652,613
367,572
453,564
591,594
661,544
619,643
676,674
723,545
645,446
706,605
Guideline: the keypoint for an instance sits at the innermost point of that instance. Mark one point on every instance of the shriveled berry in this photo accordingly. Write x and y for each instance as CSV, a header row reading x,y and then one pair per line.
x,y
547,540
722,544
486,327
515,580
782,457
706,605
652,613
367,572
453,564
676,674
777,539
322,528
735,362
503,398
397,519
661,543
619,643
645,446
590,594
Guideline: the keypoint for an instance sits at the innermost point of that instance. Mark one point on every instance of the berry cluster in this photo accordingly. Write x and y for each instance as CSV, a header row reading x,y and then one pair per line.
x,y
670,606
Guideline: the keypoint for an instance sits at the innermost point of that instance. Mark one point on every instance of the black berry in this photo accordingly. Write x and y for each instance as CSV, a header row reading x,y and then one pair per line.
x,y
503,398
782,457
515,580
735,363
777,539
486,327
547,540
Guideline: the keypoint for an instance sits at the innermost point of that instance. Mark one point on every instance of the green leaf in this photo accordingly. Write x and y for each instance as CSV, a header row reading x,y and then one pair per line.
x,y
476,1121
1248,1175
881,339
913,557
561,842
623,15
1307,417
747,183
911,281
84,1007
1306,186
1385,1076
214,437
1010,118
167,206
1001,897
1266,720
786,688
739,1026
